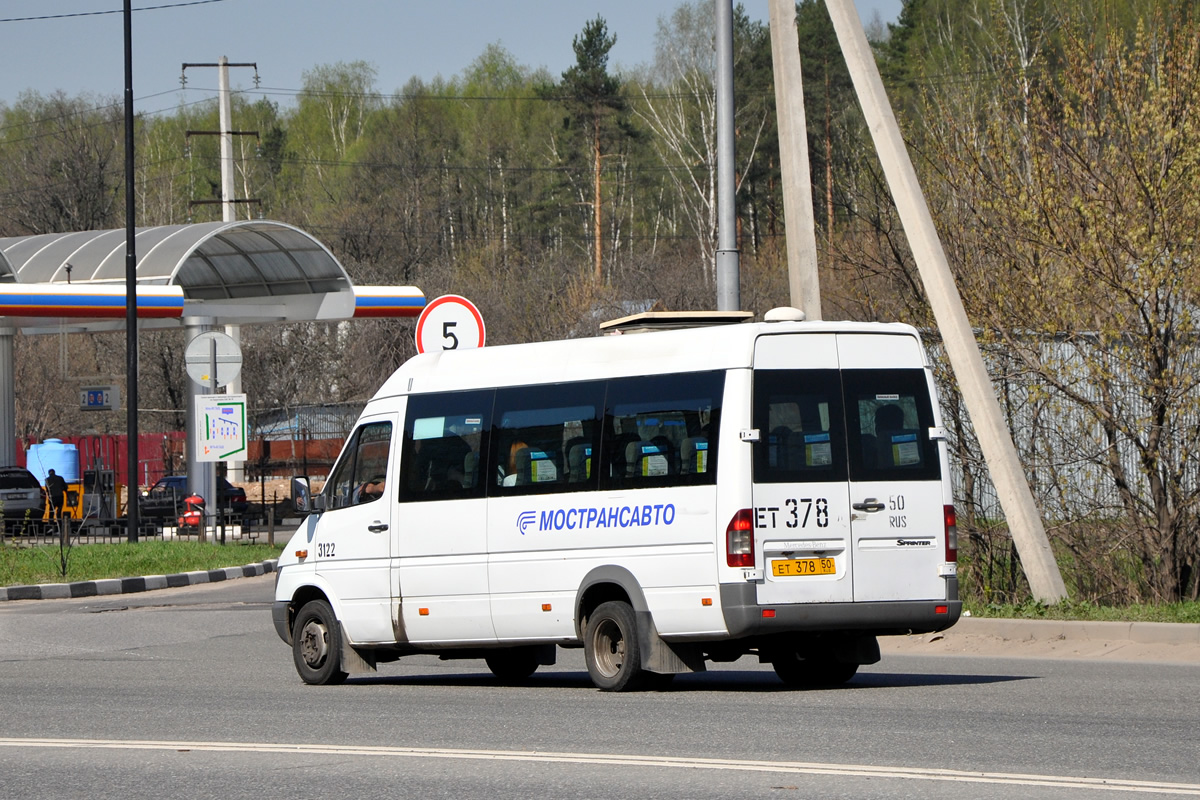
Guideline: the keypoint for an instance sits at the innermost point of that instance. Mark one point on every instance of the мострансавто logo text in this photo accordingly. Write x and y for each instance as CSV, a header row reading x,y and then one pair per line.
x,y
569,519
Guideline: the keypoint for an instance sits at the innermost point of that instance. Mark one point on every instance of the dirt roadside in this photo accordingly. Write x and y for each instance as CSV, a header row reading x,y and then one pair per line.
x,y
1108,641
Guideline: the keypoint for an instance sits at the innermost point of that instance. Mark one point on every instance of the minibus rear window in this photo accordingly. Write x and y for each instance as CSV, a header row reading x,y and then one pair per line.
x,y
889,418
827,425
801,432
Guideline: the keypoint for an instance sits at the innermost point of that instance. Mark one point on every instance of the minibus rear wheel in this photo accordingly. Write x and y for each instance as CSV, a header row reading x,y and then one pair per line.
x,y
809,673
513,664
611,649
317,644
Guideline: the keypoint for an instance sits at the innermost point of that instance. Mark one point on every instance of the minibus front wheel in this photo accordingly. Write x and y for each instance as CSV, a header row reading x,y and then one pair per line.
x,y
316,644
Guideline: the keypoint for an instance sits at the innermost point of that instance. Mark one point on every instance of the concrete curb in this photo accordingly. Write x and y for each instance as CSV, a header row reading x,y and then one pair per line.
x,y
146,583
1076,630
1012,629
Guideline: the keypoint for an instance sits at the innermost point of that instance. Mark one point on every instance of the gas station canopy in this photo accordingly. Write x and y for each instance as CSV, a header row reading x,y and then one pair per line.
x,y
188,276
236,273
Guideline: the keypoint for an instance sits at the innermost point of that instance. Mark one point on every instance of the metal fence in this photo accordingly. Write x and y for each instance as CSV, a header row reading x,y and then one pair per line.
x,y
1078,467
300,439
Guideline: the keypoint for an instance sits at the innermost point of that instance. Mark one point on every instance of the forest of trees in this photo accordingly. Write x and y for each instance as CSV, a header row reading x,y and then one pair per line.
x,y
1056,141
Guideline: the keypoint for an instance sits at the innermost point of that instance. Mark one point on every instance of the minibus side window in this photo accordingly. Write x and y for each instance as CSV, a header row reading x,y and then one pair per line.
x,y
661,430
546,438
361,474
888,421
444,446
799,417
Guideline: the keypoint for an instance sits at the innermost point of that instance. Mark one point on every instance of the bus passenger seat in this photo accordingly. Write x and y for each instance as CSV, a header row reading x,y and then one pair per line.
x,y
536,466
633,452
523,468
648,460
693,455
668,450
895,446
777,443
579,463
470,469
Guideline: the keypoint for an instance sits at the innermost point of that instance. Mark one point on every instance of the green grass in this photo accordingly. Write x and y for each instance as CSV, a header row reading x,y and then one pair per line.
x,y
1071,610
31,565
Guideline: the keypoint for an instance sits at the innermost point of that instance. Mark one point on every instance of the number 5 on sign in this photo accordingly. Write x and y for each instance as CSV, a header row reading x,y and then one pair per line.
x,y
449,323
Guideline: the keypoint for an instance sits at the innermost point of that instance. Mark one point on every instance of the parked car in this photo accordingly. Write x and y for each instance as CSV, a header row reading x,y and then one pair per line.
x,y
21,495
164,500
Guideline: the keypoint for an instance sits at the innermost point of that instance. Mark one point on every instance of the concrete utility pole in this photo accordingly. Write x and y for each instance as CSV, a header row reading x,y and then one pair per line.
x,y
803,284
729,297
1007,475
225,114
202,475
236,469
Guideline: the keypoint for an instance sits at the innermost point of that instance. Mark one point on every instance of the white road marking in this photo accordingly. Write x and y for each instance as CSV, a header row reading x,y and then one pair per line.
x,y
671,762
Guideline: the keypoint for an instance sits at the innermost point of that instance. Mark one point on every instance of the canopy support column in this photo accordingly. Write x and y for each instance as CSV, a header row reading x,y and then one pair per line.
x,y
8,403
202,475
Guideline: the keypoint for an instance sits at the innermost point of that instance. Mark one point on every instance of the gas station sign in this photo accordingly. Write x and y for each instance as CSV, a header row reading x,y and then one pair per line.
x,y
100,398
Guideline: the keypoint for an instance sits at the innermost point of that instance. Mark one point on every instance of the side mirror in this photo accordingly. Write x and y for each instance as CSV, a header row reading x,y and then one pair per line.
x,y
303,500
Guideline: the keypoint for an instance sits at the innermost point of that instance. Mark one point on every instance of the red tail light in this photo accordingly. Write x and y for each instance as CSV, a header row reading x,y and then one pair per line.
x,y
951,534
739,539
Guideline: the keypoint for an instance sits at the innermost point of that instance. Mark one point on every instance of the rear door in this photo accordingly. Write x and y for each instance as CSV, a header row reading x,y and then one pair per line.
x,y
800,492
896,490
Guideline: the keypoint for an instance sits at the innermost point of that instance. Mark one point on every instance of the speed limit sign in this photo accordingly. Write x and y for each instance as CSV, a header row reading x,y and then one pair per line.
x,y
449,323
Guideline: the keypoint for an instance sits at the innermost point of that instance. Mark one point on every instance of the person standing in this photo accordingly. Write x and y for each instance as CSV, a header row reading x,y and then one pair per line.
x,y
56,491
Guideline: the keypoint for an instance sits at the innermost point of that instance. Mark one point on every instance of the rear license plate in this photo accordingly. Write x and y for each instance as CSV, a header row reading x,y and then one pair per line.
x,y
793,567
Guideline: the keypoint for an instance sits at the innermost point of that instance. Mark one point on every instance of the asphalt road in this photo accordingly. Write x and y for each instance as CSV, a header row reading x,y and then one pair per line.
x,y
189,693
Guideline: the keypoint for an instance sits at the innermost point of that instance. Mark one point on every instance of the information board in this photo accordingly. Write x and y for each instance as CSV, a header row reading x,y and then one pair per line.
x,y
221,427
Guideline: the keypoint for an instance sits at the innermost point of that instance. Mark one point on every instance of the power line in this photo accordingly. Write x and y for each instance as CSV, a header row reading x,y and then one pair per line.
x,y
92,110
112,11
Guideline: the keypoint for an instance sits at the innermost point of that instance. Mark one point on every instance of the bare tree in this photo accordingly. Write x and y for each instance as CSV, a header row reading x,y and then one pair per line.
x,y
1073,229
678,104
62,164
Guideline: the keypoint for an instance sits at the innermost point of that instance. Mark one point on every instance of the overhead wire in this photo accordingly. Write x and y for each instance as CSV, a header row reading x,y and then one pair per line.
x,y
111,11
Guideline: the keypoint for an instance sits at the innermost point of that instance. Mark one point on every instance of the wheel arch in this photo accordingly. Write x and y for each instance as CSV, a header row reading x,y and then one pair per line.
x,y
305,594
609,582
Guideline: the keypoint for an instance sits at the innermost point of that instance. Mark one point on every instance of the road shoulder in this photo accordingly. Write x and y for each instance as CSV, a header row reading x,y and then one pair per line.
x,y
1163,642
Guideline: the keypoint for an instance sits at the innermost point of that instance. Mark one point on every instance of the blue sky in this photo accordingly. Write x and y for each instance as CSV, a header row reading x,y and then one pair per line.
x,y
402,38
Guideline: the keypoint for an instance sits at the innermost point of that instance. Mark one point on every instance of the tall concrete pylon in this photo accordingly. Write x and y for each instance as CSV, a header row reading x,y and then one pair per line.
x,y
803,285
236,470
1007,475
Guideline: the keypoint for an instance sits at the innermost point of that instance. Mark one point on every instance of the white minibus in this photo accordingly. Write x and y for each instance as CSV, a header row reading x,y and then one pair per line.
x,y
661,499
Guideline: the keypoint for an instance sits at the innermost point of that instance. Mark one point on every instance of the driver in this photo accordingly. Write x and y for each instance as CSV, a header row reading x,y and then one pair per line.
x,y
371,490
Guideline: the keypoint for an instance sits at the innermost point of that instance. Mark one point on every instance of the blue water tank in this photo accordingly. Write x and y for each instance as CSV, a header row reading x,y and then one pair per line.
x,y
53,454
